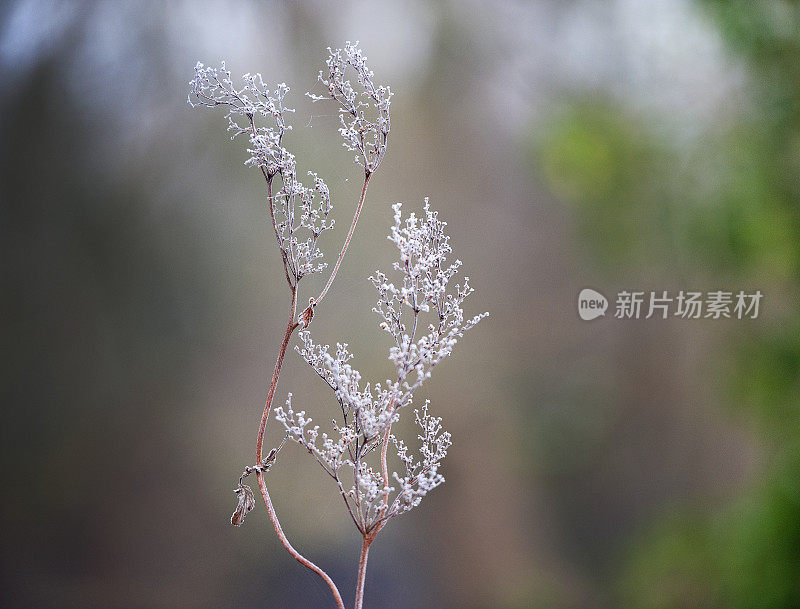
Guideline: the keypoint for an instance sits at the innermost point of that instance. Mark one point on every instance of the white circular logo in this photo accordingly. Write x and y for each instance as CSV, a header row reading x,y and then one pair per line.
x,y
591,304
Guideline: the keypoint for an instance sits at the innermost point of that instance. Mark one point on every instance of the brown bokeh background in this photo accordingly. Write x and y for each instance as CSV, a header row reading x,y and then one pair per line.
x,y
615,463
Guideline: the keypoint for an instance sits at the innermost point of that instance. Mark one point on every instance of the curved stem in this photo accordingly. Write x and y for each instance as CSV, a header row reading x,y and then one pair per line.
x,y
290,327
289,548
362,572
347,239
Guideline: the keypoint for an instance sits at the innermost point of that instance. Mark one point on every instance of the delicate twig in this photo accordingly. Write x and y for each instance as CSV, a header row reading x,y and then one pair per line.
x,y
347,239
289,548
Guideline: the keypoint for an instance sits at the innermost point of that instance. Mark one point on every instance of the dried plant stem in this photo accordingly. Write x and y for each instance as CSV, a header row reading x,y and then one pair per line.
x,y
362,571
289,548
268,177
290,327
347,239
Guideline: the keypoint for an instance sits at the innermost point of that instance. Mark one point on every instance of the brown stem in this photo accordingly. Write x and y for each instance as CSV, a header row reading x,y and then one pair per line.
x,y
347,240
362,571
290,327
347,503
289,548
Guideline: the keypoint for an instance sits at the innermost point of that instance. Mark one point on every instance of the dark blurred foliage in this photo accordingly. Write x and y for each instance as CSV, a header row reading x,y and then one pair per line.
x,y
102,302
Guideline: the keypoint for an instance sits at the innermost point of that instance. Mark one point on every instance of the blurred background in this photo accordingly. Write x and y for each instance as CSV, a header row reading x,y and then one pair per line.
x,y
635,464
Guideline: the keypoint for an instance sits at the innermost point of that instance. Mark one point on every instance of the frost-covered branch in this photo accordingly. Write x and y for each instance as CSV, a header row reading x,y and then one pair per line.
x,y
425,293
212,87
296,236
366,135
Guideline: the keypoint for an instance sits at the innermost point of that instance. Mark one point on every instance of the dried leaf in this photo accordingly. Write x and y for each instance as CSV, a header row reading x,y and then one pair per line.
x,y
307,314
246,503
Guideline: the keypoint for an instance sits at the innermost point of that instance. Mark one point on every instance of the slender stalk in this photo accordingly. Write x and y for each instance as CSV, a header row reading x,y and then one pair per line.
x,y
347,239
271,204
290,327
289,548
362,571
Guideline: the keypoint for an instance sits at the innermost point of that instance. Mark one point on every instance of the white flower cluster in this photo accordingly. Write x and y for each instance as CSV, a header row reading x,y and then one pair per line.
x,y
369,411
425,278
331,453
370,407
299,254
213,87
421,476
365,136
